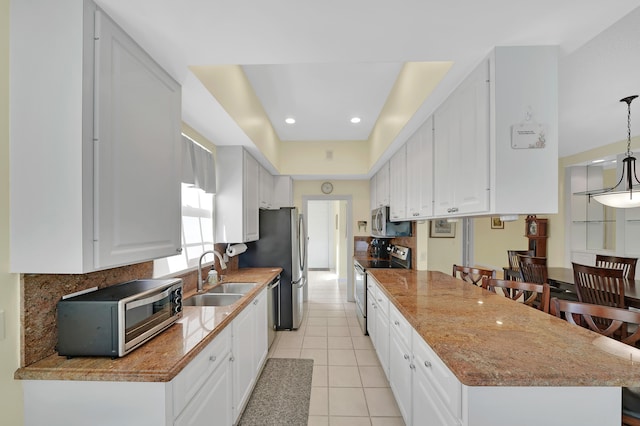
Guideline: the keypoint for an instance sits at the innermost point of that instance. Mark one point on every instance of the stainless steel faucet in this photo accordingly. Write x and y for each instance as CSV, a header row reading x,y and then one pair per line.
x,y
223,265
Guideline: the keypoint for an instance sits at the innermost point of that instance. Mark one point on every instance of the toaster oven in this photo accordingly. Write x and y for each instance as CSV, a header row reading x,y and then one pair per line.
x,y
115,320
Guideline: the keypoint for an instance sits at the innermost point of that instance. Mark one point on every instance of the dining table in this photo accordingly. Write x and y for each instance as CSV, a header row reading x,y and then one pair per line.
x,y
562,279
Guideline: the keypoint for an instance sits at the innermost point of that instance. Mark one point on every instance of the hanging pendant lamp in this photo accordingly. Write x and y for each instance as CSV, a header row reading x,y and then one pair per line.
x,y
617,196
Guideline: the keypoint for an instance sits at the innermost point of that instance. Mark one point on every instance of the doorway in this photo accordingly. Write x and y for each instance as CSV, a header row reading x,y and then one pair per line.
x,y
330,239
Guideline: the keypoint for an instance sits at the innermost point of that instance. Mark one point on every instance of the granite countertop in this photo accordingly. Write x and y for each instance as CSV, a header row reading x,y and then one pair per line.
x,y
488,340
164,356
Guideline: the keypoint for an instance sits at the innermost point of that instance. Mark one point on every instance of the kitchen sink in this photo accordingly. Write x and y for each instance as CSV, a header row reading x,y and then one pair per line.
x,y
234,288
212,299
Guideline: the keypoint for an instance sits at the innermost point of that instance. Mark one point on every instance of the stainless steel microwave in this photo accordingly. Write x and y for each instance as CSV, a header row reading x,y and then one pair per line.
x,y
382,226
115,320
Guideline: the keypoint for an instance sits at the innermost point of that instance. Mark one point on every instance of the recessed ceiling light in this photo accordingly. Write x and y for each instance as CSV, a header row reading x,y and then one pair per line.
x,y
355,120
290,120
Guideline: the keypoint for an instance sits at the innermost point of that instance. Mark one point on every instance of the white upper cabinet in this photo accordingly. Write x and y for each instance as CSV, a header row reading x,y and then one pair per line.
x,y
420,172
282,191
382,186
95,162
461,166
237,196
398,184
496,137
266,188
373,189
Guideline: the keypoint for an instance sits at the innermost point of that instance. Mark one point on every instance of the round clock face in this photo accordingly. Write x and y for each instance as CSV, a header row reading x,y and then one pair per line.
x,y
327,187
533,228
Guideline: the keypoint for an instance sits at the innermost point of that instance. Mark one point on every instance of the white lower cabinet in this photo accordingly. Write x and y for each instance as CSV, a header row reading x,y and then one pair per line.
x,y
249,350
213,401
400,374
210,391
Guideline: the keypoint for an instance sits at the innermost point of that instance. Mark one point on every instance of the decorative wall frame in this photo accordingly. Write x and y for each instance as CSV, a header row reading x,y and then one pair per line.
x,y
497,223
441,228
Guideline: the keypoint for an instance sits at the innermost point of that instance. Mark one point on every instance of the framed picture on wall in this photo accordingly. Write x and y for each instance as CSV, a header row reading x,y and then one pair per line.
x,y
496,223
440,228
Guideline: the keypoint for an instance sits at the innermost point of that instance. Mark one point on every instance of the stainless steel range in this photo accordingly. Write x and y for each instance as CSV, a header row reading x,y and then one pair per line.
x,y
400,258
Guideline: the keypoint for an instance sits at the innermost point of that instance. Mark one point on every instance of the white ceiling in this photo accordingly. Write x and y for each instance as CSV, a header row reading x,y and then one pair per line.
x,y
324,60
323,97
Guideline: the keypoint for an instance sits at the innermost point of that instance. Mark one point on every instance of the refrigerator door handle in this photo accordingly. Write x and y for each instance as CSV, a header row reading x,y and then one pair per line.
x,y
298,283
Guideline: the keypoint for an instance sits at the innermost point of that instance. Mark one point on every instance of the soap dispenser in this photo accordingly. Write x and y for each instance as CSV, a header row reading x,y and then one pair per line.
x,y
212,277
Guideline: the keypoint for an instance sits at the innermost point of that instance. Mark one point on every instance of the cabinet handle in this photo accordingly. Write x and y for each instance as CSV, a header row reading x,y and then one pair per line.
x,y
179,250
416,214
255,302
406,356
412,366
212,358
396,322
231,358
427,364
379,300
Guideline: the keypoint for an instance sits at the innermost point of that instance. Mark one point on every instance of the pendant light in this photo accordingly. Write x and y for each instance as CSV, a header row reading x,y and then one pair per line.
x,y
619,197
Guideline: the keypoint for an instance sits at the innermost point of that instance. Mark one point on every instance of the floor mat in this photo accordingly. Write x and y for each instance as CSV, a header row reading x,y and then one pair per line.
x,y
281,395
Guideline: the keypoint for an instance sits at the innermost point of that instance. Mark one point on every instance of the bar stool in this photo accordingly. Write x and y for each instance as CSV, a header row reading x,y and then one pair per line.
x,y
472,275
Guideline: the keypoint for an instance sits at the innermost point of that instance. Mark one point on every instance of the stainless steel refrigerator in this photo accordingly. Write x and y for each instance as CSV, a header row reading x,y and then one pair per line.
x,y
283,243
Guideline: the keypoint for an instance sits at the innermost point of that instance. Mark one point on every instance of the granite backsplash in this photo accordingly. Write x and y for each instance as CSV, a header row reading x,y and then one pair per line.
x,y
41,292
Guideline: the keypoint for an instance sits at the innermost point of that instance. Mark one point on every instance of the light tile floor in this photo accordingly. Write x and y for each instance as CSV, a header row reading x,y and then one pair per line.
x,y
349,386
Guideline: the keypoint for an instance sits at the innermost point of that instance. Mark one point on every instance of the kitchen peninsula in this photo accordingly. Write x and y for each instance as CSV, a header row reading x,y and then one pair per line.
x,y
491,361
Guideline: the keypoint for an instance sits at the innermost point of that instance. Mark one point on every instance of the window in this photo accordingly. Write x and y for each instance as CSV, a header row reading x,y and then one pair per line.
x,y
198,176
197,232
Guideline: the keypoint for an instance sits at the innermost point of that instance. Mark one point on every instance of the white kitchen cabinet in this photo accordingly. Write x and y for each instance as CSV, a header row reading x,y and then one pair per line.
x,y
400,365
382,186
203,390
497,133
380,321
282,191
266,188
426,404
461,149
249,350
420,172
237,196
398,184
373,191
106,146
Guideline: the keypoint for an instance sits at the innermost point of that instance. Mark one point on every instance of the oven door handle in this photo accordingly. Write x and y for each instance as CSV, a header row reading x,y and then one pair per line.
x,y
148,300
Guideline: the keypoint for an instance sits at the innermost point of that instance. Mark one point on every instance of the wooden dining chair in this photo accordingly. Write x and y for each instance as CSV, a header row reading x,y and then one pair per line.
x,y
627,264
533,269
599,286
514,263
536,295
607,321
472,275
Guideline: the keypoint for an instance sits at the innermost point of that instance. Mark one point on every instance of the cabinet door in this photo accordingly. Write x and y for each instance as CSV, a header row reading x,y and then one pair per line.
x,y
382,185
137,205
251,201
382,340
472,180
266,188
426,405
372,313
243,355
420,172
400,374
213,401
261,330
282,191
398,184
461,148
373,193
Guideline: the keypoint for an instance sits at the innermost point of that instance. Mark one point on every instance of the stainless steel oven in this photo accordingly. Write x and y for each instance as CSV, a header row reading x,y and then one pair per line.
x,y
400,258
115,320
360,280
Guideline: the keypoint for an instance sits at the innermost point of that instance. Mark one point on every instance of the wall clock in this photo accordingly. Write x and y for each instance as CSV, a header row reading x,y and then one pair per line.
x,y
326,187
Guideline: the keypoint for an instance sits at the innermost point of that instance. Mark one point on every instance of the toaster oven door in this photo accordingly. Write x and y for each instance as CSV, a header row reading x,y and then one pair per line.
x,y
144,318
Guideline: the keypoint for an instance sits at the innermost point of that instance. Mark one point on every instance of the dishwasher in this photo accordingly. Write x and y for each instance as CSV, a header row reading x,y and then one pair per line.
x,y
273,310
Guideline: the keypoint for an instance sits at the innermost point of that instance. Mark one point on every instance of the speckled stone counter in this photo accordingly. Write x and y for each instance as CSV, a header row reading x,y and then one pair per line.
x,y
488,340
163,357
